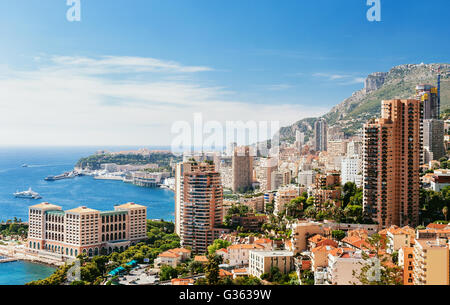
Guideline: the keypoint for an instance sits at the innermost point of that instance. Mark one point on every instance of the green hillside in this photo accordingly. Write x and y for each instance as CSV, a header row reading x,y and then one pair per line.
x,y
399,82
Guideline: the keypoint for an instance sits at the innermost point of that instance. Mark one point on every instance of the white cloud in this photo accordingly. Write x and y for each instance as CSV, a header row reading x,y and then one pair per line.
x,y
115,100
122,64
342,79
279,87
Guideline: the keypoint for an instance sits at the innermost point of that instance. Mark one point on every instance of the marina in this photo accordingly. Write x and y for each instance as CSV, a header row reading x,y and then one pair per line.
x,y
66,175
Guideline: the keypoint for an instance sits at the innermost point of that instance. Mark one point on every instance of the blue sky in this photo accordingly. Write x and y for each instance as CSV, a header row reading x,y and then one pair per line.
x,y
261,60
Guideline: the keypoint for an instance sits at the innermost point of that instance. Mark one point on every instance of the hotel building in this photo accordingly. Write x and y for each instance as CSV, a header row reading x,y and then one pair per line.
x,y
391,164
84,230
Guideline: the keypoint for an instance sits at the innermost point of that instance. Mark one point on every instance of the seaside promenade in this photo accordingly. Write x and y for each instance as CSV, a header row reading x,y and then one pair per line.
x,y
13,251
7,260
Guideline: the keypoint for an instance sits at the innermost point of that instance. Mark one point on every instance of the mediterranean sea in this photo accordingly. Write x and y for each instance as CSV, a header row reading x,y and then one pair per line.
x,y
69,193
20,273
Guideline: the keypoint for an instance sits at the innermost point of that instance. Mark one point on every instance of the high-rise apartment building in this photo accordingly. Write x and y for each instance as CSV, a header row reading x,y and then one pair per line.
x,y
433,127
199,205
391,164
320,135
180,169
84,230
242,166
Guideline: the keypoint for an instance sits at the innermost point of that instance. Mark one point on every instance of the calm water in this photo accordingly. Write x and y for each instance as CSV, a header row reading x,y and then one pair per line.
x,y
19,273
70,193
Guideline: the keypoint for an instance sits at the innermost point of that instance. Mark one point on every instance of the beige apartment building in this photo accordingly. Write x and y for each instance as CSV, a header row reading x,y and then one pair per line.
x,y
301,232
396,238
391,164
84,230
319,256
284,195
431,262
255,203
261,262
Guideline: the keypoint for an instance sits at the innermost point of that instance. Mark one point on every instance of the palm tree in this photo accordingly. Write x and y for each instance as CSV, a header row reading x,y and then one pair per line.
x,y
445,212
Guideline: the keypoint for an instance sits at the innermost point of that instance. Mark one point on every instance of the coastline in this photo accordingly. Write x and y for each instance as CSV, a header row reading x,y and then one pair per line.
x,y
19,253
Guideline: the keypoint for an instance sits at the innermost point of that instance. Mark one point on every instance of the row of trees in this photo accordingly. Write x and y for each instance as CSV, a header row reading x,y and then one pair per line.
x,y
276,277
13,227
186,269
434,205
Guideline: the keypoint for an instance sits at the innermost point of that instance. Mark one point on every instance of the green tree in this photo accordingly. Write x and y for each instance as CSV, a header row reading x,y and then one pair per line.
x,y
270,207
167,273
217,245
307,277
212,269
348,191
338,234
311,211
196,267
275,276
295,207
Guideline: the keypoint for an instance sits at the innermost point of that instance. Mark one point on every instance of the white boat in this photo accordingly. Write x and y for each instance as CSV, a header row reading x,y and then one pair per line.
x,y
30,194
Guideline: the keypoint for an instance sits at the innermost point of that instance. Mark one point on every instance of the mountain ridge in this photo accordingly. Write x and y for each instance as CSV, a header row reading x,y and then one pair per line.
x,y
398,83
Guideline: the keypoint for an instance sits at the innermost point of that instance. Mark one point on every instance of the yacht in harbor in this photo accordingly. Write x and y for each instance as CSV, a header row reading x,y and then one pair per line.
x,y
30,194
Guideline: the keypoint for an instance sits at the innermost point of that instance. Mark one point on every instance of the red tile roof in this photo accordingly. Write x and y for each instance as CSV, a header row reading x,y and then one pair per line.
x,y
200,258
